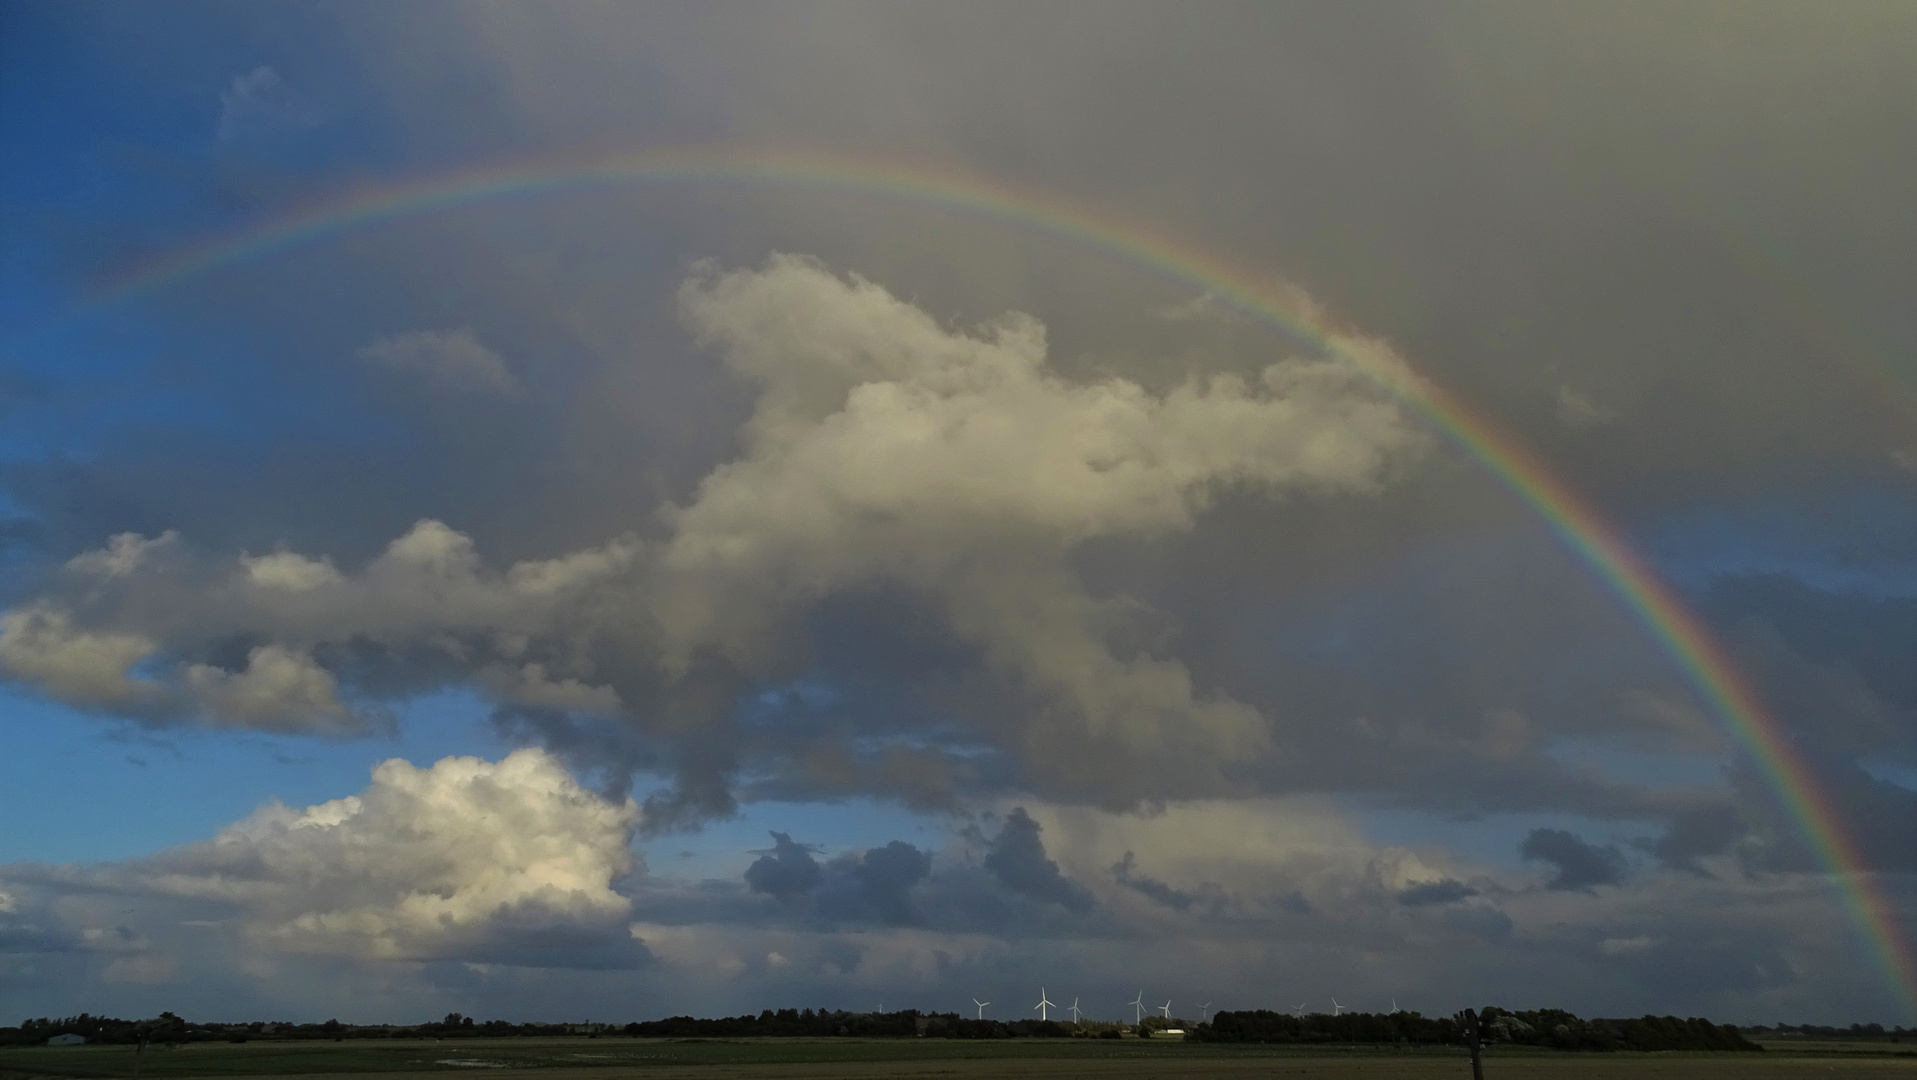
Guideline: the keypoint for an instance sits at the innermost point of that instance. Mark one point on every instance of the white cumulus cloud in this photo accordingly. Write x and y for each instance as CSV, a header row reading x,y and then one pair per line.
x,y
277,690
508,861
887,448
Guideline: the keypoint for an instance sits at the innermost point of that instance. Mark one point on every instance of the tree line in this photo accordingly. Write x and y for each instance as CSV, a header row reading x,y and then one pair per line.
x,y
168,1029
1549,1028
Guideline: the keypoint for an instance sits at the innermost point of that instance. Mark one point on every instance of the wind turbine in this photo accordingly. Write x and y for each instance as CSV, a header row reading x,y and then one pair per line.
x,y
1204,1012
1394,1007
1138,1007
981,1007
1043,1002
1166,1009
1074,1010
1300,1010
1336,1008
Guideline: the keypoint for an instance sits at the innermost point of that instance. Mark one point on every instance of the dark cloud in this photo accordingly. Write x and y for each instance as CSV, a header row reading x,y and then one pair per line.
x,y
1703,831
1016,857
1151,888
1874,636
20,933
523,936
1480,921
874,885
1580,866
1207,898
1831,706
1442,891
787,872
886,877
1878,817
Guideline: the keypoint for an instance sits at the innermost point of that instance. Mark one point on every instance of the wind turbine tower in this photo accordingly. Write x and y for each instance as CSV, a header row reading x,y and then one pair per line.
x,y
1138,1008
981,1007
1166,1009
1300,1010
1204,1012
1074,1010
1043,1004
1336,1008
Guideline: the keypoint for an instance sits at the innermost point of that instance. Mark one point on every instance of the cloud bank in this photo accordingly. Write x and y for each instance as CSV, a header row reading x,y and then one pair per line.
x,y
475,881
955,468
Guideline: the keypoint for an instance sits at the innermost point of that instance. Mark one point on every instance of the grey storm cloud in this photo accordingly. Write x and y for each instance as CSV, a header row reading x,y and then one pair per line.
x,y
1699,833
1016,857
25,931
1206,897
1158,892
787,872
1870,636
885,877
1442,891
875,885
1581,866
1878,817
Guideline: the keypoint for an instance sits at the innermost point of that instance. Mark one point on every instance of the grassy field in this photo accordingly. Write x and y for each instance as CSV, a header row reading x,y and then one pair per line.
x,y
1827,1047
750,1059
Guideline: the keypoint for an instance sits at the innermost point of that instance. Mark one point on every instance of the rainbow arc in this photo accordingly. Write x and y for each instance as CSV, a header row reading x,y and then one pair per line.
x,y
1576,523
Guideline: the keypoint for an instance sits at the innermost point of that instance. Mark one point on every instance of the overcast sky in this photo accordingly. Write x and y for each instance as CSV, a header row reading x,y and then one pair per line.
x,y
618,601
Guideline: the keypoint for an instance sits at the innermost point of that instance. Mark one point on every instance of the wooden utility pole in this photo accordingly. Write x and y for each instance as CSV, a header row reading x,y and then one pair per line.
x,y
1474,1038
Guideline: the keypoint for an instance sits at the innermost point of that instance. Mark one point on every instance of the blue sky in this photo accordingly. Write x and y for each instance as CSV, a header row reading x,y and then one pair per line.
x,y
695,515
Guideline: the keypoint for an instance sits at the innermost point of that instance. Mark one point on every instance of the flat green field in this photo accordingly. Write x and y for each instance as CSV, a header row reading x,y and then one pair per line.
x,y
767,1059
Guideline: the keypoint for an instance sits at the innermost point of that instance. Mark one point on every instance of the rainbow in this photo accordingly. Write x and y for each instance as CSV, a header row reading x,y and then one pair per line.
x,y
1573,520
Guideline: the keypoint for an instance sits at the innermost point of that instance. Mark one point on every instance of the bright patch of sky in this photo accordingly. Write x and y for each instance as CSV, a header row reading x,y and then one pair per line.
x,y
84,789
